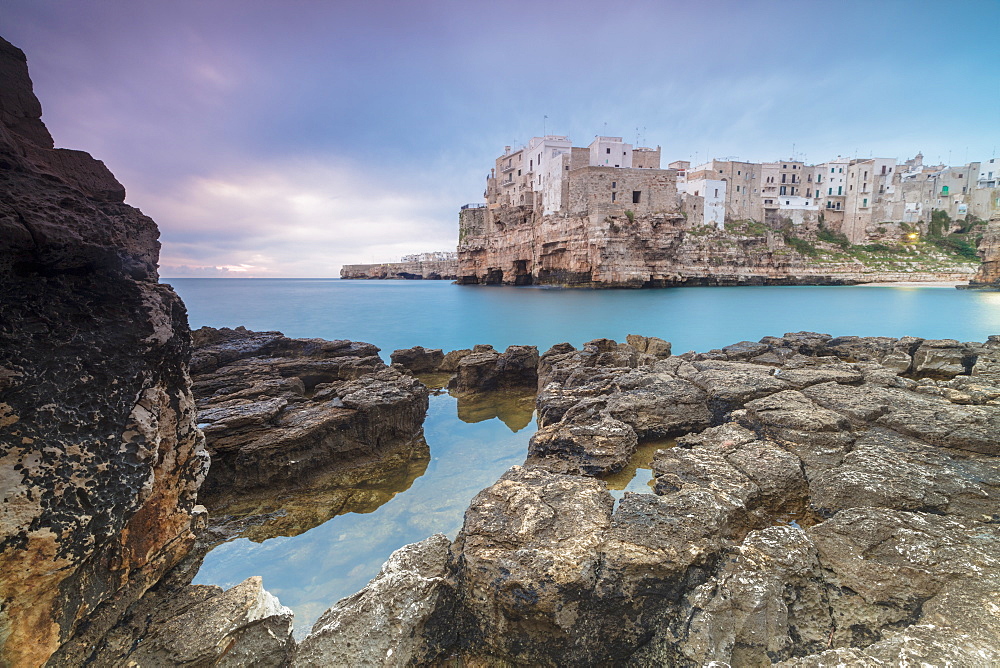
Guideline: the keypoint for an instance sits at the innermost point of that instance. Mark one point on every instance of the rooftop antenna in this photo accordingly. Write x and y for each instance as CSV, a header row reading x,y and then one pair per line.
x,y
605,128
544,119
793,152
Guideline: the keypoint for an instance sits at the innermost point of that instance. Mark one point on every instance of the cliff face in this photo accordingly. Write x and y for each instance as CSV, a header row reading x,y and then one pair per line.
x,y
440,270
100,459
514,246
988,275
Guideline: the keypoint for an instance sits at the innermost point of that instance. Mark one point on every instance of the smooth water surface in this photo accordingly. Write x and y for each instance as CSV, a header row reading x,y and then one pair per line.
x,y
471,445
438,314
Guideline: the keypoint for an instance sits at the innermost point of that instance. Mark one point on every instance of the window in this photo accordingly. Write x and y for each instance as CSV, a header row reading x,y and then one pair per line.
x,y
738,172
841,170
531,164
716,192
840,190
769,201
695,193
866,203
567,168
783,191
831,170
614,184
787,202
783,177
519,172
636,194
817,193
608,150
614,196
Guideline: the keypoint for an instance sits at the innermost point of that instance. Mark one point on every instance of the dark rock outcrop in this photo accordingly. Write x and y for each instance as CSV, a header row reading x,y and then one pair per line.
x,y
418,359
277,411
485,369
99,453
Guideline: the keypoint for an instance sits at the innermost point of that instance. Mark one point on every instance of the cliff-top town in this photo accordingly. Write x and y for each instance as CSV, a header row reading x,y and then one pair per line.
x,y
854,196
608,215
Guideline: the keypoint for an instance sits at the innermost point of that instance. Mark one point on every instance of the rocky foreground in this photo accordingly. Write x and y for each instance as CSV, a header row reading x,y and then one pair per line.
x,y
829,502
834,502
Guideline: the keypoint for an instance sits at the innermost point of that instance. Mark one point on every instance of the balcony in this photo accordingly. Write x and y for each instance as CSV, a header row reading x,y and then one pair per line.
x,y
509,181
473,206
508,168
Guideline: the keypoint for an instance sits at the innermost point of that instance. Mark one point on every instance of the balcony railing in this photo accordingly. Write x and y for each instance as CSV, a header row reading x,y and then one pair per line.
x,y
473,206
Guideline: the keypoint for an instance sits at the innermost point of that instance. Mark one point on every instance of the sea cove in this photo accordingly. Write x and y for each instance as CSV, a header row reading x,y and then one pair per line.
x,y
437,314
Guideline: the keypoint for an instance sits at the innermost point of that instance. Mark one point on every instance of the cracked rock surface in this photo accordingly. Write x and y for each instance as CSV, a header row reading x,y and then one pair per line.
x,y
829,501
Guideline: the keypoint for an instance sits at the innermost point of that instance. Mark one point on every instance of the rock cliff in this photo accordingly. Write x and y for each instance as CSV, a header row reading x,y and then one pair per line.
x,y
514,246
988,275
100,458
435,270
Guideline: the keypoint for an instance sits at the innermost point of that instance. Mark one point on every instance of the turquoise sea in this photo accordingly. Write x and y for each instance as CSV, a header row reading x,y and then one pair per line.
x,y
471,446
437,314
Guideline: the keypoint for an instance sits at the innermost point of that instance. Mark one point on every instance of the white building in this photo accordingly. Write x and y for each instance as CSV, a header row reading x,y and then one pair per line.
x,y
714,193
610,152
989,174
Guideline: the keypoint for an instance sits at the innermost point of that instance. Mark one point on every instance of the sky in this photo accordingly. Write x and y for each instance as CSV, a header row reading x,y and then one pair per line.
x,y
285,139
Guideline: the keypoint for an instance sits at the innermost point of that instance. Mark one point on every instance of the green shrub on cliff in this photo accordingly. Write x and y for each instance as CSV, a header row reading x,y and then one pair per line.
x,y
801,245
829,236
959,244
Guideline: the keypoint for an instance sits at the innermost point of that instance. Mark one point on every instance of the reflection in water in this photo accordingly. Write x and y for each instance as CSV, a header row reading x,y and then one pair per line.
x,y
514,409
637,476
310,570
290,512
801,517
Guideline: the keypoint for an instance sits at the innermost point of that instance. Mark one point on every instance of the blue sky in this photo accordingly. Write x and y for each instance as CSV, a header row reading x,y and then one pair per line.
x,y
288,138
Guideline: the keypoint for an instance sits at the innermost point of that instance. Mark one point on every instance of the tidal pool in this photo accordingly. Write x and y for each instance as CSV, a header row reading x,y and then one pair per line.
x,y
314,546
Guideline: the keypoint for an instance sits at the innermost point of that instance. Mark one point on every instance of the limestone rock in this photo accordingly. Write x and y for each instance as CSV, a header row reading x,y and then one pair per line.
x,y
451,360
384,623
101,459
824,507
244,625
988,275
303,407
418,359
485,369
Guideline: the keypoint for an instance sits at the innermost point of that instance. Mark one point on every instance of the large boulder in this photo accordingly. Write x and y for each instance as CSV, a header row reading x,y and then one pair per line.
x,y
277,411
101,459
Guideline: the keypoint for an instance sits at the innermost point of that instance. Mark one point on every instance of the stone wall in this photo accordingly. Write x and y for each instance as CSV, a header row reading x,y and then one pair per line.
x,y
591,188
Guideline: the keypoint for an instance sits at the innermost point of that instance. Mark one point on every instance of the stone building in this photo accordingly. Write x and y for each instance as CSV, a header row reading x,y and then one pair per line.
x,y
608,214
